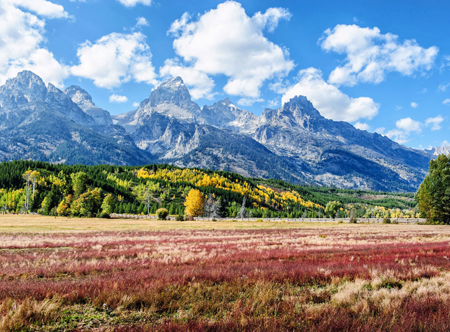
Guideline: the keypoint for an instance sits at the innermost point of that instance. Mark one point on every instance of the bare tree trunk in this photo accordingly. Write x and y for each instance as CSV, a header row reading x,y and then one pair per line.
x,y
242,211
27,197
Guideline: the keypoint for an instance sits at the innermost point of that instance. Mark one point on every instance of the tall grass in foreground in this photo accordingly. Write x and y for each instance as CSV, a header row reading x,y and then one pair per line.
x,y
385,278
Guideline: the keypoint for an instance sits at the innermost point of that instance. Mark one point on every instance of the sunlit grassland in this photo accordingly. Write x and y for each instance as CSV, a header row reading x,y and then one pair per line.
x,y
146,275
37,223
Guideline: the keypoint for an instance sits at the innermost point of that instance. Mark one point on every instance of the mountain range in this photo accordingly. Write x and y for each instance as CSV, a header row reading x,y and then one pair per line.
x,y
294,142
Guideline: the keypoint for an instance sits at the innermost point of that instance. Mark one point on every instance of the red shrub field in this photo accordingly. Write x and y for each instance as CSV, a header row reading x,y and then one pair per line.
x,y
335,278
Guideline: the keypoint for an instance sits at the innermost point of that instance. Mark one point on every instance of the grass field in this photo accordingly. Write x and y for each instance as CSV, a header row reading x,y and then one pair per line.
x,y
60,274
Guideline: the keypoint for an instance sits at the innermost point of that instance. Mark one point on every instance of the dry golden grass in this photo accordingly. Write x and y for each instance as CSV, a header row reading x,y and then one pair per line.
x,y
36,223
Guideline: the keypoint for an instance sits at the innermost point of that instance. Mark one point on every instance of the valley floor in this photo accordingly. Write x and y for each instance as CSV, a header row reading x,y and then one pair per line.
x,y
145,275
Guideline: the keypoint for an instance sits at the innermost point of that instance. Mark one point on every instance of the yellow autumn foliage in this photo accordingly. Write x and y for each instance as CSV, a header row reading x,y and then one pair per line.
x,y
194,203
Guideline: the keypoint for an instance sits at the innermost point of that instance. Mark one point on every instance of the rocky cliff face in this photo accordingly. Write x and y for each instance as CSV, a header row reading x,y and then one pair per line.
x,y
43,123
436,151
84,101
338,153
293,143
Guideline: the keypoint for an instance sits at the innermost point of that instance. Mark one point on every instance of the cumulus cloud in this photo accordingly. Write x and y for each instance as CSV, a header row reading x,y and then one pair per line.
x,y
41,7
370,55
446,101
398,136
329,100
380,130
135,104
434,122
132,3
141,22
404,128
228,42
115,59
117,99
414,105
249,101
408,125
21,39
361,126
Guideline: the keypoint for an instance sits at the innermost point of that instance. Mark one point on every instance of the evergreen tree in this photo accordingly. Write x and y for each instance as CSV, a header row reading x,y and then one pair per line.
x,y
433,196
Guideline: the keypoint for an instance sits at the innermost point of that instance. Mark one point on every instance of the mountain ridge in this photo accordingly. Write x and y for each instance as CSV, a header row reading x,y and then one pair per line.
x,y
294,142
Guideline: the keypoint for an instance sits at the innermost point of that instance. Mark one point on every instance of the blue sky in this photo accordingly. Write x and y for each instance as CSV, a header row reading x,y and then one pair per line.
x,y
382,65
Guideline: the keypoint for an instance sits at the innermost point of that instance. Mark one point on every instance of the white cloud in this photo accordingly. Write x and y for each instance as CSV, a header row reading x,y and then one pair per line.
x,y
249,101
132,3
445,143
446,101
408,125
398,107
398,136
370,55
226,41
361,126
274,103
136,104
141,22
445,62
200,85
115,59
414,105
443,87
117,99
329,100
41,7
21,39
434,122
380,130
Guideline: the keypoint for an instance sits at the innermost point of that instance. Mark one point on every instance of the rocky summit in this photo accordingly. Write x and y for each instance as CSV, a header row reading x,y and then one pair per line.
x,y
294,142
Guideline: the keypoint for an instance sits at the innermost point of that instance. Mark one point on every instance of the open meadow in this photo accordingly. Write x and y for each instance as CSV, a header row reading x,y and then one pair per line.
x,y
62,274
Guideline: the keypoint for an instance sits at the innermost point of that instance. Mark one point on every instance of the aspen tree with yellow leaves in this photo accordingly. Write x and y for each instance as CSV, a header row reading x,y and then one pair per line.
x,y
194,203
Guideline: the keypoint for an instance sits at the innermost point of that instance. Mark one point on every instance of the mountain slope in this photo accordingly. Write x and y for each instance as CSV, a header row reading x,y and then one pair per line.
x,y
338,153
173,134
294,143
43,123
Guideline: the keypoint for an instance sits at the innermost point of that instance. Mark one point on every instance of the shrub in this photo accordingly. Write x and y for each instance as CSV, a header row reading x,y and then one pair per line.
x,y
340,222
394,222
353,220
180,217
162,213
386,220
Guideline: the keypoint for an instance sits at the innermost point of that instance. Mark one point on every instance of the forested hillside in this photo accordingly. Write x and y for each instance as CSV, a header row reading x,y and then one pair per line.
x,y
98,191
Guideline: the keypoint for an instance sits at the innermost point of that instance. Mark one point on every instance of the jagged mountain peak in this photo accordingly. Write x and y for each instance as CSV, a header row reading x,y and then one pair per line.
x,y
174,83
25,87
171,97
302,104
26,76
172,91
78,94
84,100
226,101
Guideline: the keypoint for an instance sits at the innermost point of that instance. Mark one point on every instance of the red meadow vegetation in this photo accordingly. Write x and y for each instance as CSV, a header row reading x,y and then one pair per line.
x,y
343,278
